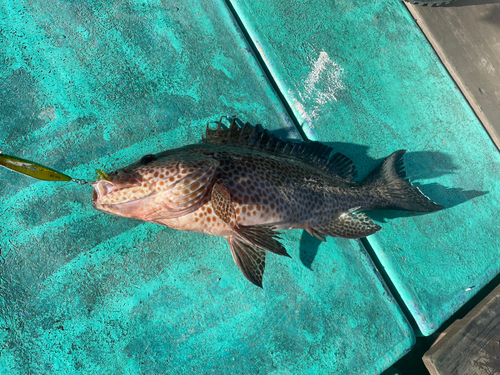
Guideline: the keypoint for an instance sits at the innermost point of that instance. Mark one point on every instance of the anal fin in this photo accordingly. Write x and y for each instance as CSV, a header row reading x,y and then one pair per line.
x,y
350,226
250,259
314,233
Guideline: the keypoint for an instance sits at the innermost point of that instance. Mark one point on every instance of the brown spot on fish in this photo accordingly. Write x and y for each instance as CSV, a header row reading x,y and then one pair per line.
x,y
195,185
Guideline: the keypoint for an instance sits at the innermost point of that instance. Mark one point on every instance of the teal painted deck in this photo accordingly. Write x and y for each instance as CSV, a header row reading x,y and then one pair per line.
x,y
89,85
361,77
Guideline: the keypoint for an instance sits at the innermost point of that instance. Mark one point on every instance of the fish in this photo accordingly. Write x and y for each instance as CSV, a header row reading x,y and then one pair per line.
x,y
246,185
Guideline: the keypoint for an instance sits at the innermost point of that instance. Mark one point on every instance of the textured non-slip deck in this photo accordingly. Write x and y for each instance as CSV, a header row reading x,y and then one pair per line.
x,y
361,77
87,85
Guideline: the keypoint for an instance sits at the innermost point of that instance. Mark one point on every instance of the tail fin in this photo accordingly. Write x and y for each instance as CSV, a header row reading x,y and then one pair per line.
x,y
396,192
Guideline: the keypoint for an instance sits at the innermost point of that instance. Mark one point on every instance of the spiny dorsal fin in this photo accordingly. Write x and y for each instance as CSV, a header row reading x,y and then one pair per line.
x,y
312,152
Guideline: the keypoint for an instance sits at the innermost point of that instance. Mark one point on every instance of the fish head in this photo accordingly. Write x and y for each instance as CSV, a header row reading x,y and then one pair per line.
x,y
162,186
128,191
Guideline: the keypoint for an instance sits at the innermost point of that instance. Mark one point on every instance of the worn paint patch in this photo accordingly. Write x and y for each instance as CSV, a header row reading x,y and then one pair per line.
x,y
47,114
322,86
323,82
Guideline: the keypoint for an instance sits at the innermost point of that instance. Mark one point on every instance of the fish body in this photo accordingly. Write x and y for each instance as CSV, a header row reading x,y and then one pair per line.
x,y
245,185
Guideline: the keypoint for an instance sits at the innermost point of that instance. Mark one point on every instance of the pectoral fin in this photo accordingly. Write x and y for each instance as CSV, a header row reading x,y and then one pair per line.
x,y
250,259
223,205
349,226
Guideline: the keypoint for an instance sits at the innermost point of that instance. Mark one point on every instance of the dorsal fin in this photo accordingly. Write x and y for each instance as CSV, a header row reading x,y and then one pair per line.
x,y
312,152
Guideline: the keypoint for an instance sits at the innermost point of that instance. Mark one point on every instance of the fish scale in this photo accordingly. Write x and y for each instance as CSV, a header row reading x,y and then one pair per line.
x,y
245,185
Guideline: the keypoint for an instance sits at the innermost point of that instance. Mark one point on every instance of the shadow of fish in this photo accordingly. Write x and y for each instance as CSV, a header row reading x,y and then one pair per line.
x,y
245,185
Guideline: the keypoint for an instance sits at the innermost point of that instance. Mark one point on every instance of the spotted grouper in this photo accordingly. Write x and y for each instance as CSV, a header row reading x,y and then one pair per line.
x,y
245,185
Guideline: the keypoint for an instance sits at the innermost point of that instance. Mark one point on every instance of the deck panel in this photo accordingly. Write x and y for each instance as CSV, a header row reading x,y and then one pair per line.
x,y
87,85
361,77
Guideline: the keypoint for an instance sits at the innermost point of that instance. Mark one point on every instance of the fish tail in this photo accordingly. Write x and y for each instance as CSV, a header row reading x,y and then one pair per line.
x,y
394,191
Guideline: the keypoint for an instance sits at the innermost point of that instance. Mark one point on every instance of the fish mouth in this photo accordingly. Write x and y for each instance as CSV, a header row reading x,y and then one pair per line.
x,y
118,180
102,188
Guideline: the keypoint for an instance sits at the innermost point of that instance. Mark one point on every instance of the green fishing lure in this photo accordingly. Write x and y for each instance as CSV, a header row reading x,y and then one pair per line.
x,y
32,169
41,172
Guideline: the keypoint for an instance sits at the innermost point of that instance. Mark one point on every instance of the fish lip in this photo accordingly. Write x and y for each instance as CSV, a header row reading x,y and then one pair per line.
x,y
117,180
101,189
122,177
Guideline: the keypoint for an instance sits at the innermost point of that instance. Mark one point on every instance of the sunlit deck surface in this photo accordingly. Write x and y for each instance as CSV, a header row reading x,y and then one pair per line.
x,y
88,85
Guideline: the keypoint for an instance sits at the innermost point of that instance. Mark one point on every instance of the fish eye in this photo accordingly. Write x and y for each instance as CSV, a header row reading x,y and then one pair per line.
x,y
146,159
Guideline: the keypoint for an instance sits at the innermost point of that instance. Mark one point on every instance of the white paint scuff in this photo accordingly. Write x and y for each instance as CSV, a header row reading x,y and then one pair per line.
x,y
321,86
47,114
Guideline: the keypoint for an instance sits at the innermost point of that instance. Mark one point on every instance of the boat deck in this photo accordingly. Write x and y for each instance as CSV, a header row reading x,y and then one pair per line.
x,y
88,85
